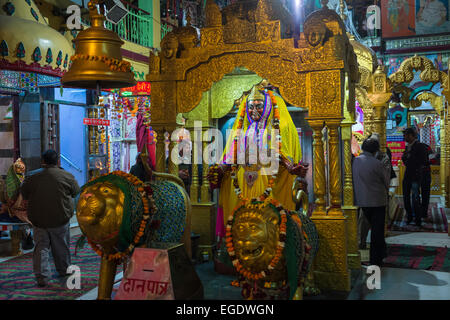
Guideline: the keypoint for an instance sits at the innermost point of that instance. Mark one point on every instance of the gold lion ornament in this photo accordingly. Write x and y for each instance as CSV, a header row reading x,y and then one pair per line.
x,y
100,211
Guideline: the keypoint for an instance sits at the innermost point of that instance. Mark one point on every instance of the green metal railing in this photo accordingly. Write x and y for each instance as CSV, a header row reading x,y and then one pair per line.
x,y
137,26
165,29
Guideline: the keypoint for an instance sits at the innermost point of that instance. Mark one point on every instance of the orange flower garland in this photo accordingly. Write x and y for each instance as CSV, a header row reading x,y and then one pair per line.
x,y
280,247
147,203
234,167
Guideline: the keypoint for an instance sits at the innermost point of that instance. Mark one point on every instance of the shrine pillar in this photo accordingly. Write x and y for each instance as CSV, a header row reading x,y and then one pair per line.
x,y
173,151
443,152
198,122
379,94
160,148
350,211
447,157
445,149
331,270
195,186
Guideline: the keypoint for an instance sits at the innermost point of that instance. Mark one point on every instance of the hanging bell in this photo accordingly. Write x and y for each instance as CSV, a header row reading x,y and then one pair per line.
x,y
97,63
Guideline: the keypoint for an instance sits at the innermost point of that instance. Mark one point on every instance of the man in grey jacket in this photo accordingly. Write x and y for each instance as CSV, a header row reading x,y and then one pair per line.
x,y
50,191
371,185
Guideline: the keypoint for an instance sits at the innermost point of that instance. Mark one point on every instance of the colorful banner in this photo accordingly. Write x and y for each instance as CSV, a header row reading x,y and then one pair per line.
x,y
397,148
95,122
141,88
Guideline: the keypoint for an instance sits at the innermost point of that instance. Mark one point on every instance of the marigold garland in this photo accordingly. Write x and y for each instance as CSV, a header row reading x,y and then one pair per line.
x,y
149,207
280,246
234,167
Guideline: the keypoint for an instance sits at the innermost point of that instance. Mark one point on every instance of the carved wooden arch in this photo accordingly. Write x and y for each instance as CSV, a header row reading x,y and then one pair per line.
x,y
292,84
405,74
309,74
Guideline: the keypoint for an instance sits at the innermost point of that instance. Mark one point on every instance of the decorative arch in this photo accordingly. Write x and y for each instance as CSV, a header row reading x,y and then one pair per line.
x,y
309,72
405,74
428,73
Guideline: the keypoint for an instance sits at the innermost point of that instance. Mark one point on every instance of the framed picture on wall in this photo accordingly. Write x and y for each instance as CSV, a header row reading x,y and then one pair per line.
x,y
397,18
404,18
432,16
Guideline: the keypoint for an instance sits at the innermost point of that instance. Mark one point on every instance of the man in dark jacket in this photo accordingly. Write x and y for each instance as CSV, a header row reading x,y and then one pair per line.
x,y
50,191
415,158
425,185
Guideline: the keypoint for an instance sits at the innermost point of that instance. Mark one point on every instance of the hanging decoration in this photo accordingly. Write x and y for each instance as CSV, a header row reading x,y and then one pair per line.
x,y
59,58
4,49
20,51
34,14
65,60
37,54
9,8
49,56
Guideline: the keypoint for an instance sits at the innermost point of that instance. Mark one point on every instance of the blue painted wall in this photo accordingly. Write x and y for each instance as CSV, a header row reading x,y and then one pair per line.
x,y
72,133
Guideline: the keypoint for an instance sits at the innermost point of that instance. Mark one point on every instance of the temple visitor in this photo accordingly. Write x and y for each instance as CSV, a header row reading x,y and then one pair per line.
x,y
425,184
49,192
363,223
138,169
415,158
371,185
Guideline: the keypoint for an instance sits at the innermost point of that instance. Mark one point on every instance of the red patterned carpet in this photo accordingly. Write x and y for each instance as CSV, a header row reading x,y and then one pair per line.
x,y
418,257
17,280
435,222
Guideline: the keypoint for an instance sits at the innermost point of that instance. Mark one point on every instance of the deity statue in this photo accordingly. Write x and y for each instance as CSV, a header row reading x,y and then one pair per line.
x,y
268,243
260,114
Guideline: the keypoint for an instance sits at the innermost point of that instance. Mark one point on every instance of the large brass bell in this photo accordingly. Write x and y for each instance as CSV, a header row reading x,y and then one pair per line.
x,y
97,63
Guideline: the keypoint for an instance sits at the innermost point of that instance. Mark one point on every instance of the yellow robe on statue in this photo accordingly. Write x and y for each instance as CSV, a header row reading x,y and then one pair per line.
x,y
290,148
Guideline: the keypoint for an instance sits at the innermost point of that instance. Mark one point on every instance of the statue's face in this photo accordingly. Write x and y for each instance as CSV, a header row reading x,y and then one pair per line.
x,y
255,109
170,46
19,166
255,238
100,210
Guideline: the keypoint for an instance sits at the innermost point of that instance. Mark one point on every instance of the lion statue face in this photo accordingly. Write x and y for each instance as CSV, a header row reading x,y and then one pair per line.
x,y
100,211
255,237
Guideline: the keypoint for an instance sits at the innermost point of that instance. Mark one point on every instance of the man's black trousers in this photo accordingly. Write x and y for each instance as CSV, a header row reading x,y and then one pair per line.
x,y
376,218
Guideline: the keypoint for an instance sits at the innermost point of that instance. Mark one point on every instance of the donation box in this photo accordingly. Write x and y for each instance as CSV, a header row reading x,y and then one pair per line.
x,y
162,272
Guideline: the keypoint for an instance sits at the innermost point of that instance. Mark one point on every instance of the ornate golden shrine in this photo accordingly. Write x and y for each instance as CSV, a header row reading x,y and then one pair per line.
x,y
311,70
